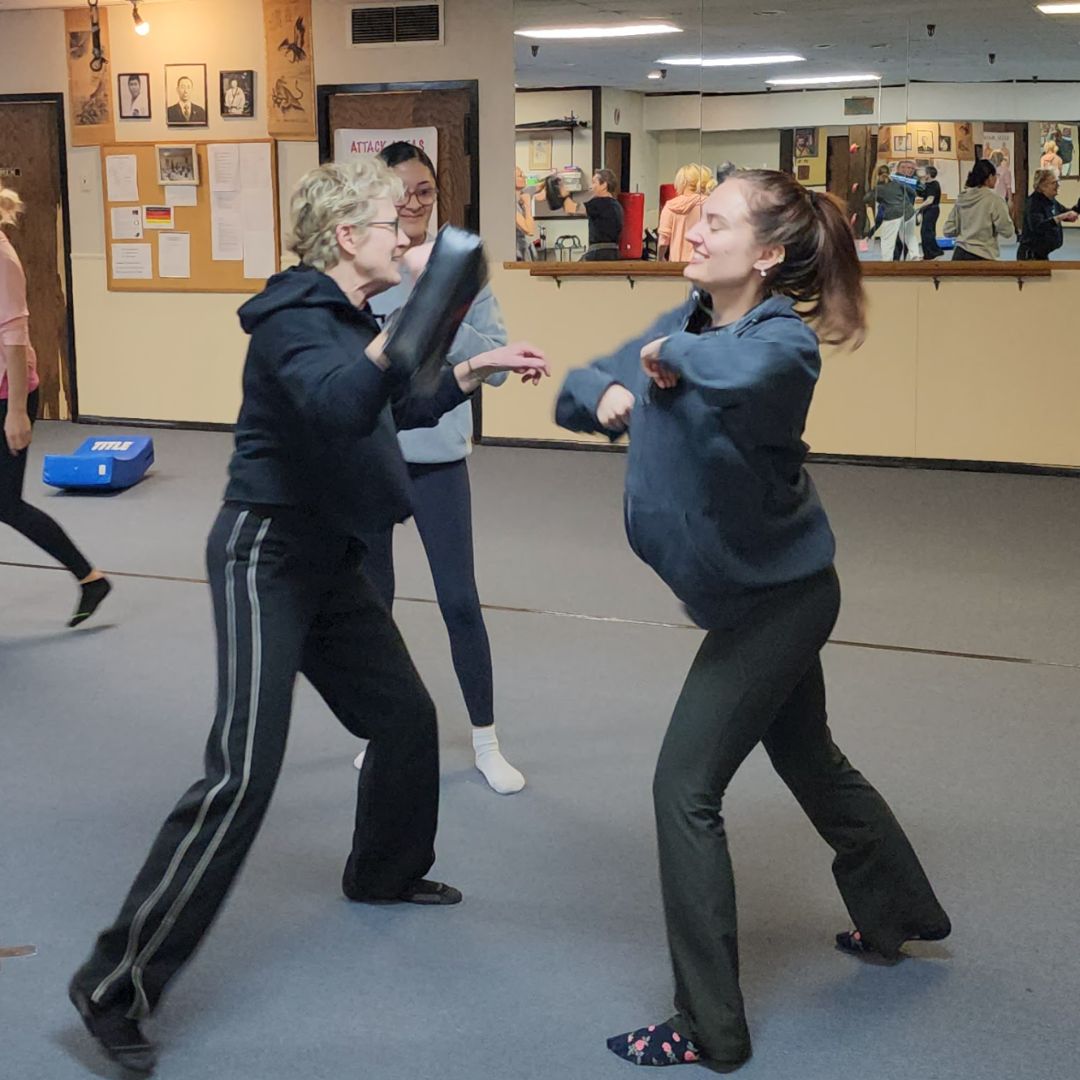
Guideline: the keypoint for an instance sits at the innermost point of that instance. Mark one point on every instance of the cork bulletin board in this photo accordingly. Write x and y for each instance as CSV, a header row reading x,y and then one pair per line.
x,y
232,229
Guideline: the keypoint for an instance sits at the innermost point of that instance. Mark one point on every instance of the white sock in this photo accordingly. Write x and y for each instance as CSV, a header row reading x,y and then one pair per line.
x,y
498,772
358,761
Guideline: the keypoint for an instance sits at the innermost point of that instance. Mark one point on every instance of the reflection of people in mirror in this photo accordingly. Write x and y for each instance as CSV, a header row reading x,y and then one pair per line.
x,y
1050,159
524,223
185,110
135,97
601,206
1065,150
1043,218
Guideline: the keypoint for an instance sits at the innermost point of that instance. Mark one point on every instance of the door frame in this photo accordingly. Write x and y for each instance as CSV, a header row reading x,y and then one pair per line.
x,y
624,138
324,92
57,99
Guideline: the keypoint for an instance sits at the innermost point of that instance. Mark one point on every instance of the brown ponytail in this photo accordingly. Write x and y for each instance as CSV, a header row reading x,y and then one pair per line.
x,y
821,266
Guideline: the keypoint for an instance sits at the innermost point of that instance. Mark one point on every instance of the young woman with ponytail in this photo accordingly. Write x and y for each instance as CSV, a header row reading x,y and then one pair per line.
x,y
715,397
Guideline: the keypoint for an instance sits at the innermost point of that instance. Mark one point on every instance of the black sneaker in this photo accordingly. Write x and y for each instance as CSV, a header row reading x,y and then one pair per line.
x,y
420,891
90,596
118,1036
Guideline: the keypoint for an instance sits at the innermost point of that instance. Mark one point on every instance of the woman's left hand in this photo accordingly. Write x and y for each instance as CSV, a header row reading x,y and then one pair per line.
x,y
662,375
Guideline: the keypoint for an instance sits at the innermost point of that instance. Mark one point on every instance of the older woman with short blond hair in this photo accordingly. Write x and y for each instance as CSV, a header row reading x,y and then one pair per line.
x,y
316,468
1043,217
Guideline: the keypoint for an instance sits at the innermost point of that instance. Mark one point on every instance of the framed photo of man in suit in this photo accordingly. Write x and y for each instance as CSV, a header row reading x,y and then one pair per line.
x,y
185,95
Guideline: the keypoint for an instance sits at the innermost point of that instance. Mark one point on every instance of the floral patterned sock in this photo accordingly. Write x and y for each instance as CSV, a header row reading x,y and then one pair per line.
x,y
658,1044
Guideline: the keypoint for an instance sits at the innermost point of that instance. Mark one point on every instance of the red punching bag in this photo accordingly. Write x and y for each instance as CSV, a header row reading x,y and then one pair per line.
x,y
667,191
633,227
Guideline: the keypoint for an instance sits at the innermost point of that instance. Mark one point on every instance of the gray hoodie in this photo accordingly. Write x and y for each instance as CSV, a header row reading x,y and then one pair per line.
x,y
483,329
978,217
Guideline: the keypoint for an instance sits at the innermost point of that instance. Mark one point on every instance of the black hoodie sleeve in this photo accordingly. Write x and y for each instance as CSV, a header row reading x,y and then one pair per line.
x,y
326,384
412,410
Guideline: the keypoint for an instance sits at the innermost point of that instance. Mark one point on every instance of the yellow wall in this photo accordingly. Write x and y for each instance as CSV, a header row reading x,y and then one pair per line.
x,y
952,373
178,357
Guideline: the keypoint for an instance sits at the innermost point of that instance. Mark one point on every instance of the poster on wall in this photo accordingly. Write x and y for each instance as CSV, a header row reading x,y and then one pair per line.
x,y
998,148
806,142
946,141
965,140
1057,142
90,93
356,142
290,69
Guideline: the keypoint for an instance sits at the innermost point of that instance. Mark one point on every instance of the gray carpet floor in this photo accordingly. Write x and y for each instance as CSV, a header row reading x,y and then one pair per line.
x,y
559,942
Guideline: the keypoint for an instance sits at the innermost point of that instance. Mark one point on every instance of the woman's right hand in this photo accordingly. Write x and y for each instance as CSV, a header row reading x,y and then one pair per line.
x,y
17,431
614,408
527,360
1069,216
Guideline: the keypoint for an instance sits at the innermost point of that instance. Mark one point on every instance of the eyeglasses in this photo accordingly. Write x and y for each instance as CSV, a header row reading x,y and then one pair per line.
x,y
423,196
394,225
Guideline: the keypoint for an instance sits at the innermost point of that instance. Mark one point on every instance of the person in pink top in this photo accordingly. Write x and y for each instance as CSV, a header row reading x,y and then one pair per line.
x,y
18,410
680,214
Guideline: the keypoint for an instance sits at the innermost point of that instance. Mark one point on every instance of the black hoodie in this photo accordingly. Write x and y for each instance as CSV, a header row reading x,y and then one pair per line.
x,y
317,430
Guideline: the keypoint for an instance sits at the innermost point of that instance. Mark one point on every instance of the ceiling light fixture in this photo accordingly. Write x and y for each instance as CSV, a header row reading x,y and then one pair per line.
x,y
142,27
731,61
656,73
591,33
1059,9
824,80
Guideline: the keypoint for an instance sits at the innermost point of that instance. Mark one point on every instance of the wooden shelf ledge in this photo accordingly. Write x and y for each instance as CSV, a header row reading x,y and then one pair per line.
x,y
934,271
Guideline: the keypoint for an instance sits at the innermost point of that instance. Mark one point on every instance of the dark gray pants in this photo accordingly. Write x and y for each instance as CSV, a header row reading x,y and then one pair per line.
x,y
761,681
289,598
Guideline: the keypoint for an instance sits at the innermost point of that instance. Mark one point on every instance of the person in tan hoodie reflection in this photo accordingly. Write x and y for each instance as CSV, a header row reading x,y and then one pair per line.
x,y
680,214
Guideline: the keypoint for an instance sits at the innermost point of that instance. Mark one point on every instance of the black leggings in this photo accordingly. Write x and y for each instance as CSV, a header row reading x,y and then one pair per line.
x,y
35,525
442,505
761,682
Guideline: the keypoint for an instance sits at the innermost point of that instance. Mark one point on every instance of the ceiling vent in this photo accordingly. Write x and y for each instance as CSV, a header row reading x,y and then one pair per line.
x,y
404,23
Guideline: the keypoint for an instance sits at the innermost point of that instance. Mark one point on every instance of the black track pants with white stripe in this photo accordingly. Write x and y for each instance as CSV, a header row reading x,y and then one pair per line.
x,y
288,599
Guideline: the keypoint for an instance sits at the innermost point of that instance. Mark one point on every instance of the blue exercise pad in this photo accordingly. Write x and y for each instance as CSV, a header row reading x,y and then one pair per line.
x,y
107,462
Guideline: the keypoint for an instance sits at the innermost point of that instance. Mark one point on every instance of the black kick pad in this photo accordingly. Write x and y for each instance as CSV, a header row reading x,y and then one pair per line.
x,y
423,329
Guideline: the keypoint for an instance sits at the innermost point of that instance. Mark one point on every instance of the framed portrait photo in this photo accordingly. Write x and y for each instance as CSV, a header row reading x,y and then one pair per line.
x,y
177,163
806,142
133,94
238,94
540,153
185,95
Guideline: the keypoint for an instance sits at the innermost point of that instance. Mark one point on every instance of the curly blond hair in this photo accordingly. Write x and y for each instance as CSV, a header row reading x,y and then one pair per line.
x,y
694,180
11,206
334,195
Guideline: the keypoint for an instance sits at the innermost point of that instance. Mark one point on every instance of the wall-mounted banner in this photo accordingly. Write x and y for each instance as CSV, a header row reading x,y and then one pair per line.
x,y
355,142
290,69
89,79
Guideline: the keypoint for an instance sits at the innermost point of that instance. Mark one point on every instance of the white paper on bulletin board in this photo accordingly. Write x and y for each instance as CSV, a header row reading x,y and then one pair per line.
x,y
948,177
356,142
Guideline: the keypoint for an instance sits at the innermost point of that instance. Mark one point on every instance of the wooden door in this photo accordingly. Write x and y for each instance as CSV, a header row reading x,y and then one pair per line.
x,y
30,157
617,156
451,111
